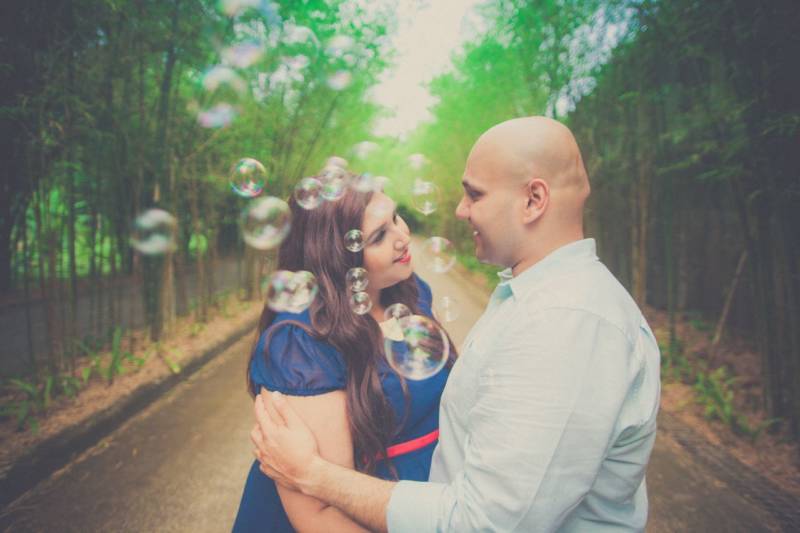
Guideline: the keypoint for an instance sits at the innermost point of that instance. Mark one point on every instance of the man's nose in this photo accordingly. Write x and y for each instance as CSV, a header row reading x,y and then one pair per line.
x,y
461,210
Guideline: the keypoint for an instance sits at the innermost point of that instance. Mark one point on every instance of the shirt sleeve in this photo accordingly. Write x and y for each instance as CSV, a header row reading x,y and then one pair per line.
x,y
546,406
292,362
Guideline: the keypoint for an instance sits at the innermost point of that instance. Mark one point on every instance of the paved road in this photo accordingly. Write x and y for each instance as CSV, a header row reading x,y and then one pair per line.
x,y
180,465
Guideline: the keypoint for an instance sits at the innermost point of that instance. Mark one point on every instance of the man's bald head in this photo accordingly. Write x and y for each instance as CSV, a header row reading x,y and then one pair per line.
x,y
524,191
535,147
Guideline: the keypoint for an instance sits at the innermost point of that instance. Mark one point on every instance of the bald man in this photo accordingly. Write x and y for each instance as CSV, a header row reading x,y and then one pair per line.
x,y
549,415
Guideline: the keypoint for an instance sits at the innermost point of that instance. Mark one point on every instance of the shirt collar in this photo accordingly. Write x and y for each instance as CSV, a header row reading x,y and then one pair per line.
x,y
558,259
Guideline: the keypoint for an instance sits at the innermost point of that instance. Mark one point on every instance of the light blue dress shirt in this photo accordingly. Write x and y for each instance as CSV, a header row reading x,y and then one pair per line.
x,y
549,416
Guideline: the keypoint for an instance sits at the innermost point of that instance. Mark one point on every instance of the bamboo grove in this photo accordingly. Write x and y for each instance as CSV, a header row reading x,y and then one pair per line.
x,y
689,127
100,110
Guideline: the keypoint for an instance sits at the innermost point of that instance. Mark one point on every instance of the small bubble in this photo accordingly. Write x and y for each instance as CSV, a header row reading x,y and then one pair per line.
x,y
438,254
217,116
357,279
308,193
354,240
425,196
360,303
248,176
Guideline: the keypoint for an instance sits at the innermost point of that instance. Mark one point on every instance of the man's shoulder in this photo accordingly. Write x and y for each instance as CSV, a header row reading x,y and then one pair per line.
x,y
592,289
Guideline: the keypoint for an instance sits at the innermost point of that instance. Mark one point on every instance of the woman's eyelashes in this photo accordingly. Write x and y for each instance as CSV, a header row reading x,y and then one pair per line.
x,y
382,233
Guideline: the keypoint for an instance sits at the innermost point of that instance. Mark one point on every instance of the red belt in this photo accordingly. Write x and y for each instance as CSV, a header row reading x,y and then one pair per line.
x,y
412,445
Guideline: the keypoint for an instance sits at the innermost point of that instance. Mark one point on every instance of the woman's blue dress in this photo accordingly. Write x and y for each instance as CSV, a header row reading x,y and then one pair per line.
x,y
302,366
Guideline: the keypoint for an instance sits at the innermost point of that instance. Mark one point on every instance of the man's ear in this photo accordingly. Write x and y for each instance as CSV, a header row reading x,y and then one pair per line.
x,y
537,196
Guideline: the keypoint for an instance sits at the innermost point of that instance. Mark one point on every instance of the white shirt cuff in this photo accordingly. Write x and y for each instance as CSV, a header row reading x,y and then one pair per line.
x,y
414,506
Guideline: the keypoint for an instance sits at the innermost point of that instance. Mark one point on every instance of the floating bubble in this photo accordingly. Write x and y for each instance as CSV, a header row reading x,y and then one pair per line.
x,y
339,45
278,292
243,55
298,62
248,176
340,80
308,193
379,183
364,148
303,289
217,116
336,161
362,182
360,303
423,351
293,34
265,222
438,254
154,232
396,311
354,240
334,182
234,8
222,79
447,309
425,196
357,279
417,161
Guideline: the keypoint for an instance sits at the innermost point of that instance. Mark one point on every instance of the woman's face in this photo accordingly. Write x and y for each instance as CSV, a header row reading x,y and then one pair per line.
x,y
387,258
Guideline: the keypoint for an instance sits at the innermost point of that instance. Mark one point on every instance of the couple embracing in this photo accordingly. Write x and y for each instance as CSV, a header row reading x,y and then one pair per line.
x,y
544,422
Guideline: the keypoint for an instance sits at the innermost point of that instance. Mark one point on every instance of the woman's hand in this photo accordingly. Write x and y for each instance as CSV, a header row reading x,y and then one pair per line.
x,y
285,446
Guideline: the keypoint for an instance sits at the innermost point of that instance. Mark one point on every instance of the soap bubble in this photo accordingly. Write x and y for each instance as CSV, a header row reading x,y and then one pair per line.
x,y
438,254
265,222
447,309
336,161
154,232
354,240
223,80
357,279
423,351
360,303
362,182
338,81
425,196
243,55
339,45
217,116
303,288
417,161
396,311
248,176
334,182
363,149
308,193
291,291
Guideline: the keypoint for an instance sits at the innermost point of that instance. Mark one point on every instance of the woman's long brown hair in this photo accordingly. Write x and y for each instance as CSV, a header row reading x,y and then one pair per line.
x,y
316,243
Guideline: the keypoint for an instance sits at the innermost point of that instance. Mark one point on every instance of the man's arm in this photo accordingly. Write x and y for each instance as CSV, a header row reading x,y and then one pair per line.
x,y
284,441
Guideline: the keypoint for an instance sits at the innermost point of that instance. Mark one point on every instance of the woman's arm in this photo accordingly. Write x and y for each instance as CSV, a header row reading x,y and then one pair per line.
x,y
326,416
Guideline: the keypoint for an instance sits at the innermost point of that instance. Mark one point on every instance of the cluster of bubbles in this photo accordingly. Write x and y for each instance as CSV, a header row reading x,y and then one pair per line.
x,y
290,291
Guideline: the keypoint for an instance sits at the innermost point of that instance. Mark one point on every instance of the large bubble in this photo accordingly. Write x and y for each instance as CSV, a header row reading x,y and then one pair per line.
x,y
291,291
265,222
248,177
308,193
438,254
423,351
154,232
425,196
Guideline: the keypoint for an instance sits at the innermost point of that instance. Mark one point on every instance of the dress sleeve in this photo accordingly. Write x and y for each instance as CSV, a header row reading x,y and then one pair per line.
x,y
425,299
291,361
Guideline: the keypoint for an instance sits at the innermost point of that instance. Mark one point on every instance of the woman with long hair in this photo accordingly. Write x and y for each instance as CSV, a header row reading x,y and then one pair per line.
x,y
331,364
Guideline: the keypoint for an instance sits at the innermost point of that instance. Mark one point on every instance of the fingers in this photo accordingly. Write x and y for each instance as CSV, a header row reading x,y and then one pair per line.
x,y
288,415
262,418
